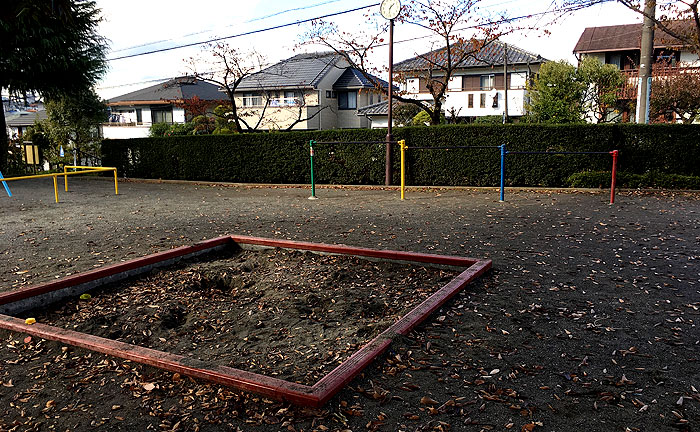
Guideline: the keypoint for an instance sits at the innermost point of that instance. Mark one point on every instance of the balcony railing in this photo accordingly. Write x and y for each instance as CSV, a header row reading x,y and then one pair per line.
x,y
629,89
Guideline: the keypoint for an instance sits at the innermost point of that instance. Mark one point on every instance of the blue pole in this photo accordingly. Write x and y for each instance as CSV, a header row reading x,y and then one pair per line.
x,y
503,171
4,183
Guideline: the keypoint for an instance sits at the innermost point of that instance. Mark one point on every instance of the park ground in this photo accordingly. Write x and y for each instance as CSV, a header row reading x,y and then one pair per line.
x,y
588,320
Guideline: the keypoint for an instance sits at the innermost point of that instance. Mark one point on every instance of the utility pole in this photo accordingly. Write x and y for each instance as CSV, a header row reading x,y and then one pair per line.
x,y
505,83
646,62
389,136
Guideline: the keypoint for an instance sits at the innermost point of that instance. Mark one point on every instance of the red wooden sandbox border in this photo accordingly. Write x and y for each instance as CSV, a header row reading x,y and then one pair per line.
x,y
314,396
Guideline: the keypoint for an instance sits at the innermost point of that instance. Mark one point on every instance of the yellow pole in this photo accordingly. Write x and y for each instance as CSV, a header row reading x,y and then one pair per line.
x,y
402,143
65,178
55,186
116,188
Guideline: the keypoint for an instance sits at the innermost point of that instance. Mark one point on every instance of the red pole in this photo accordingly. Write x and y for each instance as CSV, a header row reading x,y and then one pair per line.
x,y
614,154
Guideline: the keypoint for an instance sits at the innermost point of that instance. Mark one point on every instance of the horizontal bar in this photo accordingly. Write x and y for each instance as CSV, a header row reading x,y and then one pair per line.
x,y
354,142
57,174
553,153
453,147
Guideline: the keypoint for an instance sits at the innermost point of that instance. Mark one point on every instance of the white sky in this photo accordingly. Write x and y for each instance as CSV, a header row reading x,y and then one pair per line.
x,y
130,23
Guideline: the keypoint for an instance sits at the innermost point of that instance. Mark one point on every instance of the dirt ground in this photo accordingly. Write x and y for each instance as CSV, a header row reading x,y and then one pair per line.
x,y
587,322
288,314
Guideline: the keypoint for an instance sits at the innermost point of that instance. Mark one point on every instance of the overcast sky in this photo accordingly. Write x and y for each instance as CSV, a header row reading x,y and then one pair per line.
x,y
138,26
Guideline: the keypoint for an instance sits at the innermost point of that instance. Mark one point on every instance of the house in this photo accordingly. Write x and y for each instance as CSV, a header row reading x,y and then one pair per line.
x,y
477,87
19,121
621,45
314,91
132,114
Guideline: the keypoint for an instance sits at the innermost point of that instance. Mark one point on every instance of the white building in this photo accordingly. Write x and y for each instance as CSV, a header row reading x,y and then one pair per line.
x,y
132,114
476,88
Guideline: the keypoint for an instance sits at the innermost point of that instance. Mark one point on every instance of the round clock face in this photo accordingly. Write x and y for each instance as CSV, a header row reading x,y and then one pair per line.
x,y
390,8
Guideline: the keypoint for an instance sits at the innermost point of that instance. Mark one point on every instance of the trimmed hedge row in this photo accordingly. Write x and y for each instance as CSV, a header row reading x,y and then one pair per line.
x,y
284,157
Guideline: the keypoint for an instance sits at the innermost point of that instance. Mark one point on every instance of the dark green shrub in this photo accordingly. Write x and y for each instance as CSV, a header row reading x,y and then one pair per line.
x,y
284,157
602,179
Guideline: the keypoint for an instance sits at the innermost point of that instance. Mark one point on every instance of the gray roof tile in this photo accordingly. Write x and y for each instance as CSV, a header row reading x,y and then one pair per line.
x,y
24,118
300,71
352,78
175,89
491,55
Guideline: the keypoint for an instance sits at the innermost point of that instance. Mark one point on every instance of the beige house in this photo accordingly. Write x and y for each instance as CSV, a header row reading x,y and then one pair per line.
x,y
306,92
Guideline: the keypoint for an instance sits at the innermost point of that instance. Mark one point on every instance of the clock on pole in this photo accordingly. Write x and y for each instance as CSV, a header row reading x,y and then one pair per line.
x,y
390,9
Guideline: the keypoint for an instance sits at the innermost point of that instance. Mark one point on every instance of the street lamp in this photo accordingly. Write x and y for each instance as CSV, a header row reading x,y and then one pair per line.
x,y
390,9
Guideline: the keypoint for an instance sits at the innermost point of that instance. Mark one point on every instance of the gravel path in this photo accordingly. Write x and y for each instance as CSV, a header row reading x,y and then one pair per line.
x,y
588,320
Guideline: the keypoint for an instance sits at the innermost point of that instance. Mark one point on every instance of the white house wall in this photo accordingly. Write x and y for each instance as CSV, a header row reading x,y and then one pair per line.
x,y
459,102
125,132
689,59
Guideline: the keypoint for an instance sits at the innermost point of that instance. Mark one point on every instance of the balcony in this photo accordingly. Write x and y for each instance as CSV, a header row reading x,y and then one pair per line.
x,y
629,89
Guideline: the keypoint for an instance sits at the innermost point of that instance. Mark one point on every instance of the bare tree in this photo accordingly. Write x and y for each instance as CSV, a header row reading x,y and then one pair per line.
x,y
445,20
227,67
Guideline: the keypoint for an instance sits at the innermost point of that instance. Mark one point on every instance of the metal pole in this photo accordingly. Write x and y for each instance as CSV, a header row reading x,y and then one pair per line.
x,y
402,143
503,171
7,188
313,184
389,136
646,62
65,177
116,186
505,83
55,186
614,154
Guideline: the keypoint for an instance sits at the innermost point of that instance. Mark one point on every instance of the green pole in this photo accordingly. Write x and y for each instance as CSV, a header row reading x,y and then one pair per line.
x,y
313,184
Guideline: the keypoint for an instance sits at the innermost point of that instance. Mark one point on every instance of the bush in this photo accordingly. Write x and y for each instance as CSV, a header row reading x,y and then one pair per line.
x,y
283,157
601,179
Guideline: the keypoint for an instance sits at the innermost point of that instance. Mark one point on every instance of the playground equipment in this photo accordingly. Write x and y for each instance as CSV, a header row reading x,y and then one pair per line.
x,y
311,153
77,171
4,183
504,152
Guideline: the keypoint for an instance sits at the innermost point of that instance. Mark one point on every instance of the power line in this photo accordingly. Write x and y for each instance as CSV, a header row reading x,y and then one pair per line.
x,y
232,25
242,34
500,21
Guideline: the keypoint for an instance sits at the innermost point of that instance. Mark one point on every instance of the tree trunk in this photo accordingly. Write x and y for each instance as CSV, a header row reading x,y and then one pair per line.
x,y
4,139
436,114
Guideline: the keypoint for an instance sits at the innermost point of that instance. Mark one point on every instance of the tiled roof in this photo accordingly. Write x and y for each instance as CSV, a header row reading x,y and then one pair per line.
x,y
300,71
619,38
174,89
352,78
379,108
24,118
490,55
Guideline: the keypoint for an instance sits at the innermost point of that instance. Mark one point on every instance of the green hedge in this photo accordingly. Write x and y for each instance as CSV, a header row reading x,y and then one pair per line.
x,y
601,179
284,157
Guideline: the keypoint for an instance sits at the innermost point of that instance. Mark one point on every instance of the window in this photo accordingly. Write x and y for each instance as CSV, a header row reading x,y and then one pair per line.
x,y
139,116
252,100
330,94
371,98
470,101
455,84
486,82
347,100
162,115
495,101
482,100
291,97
